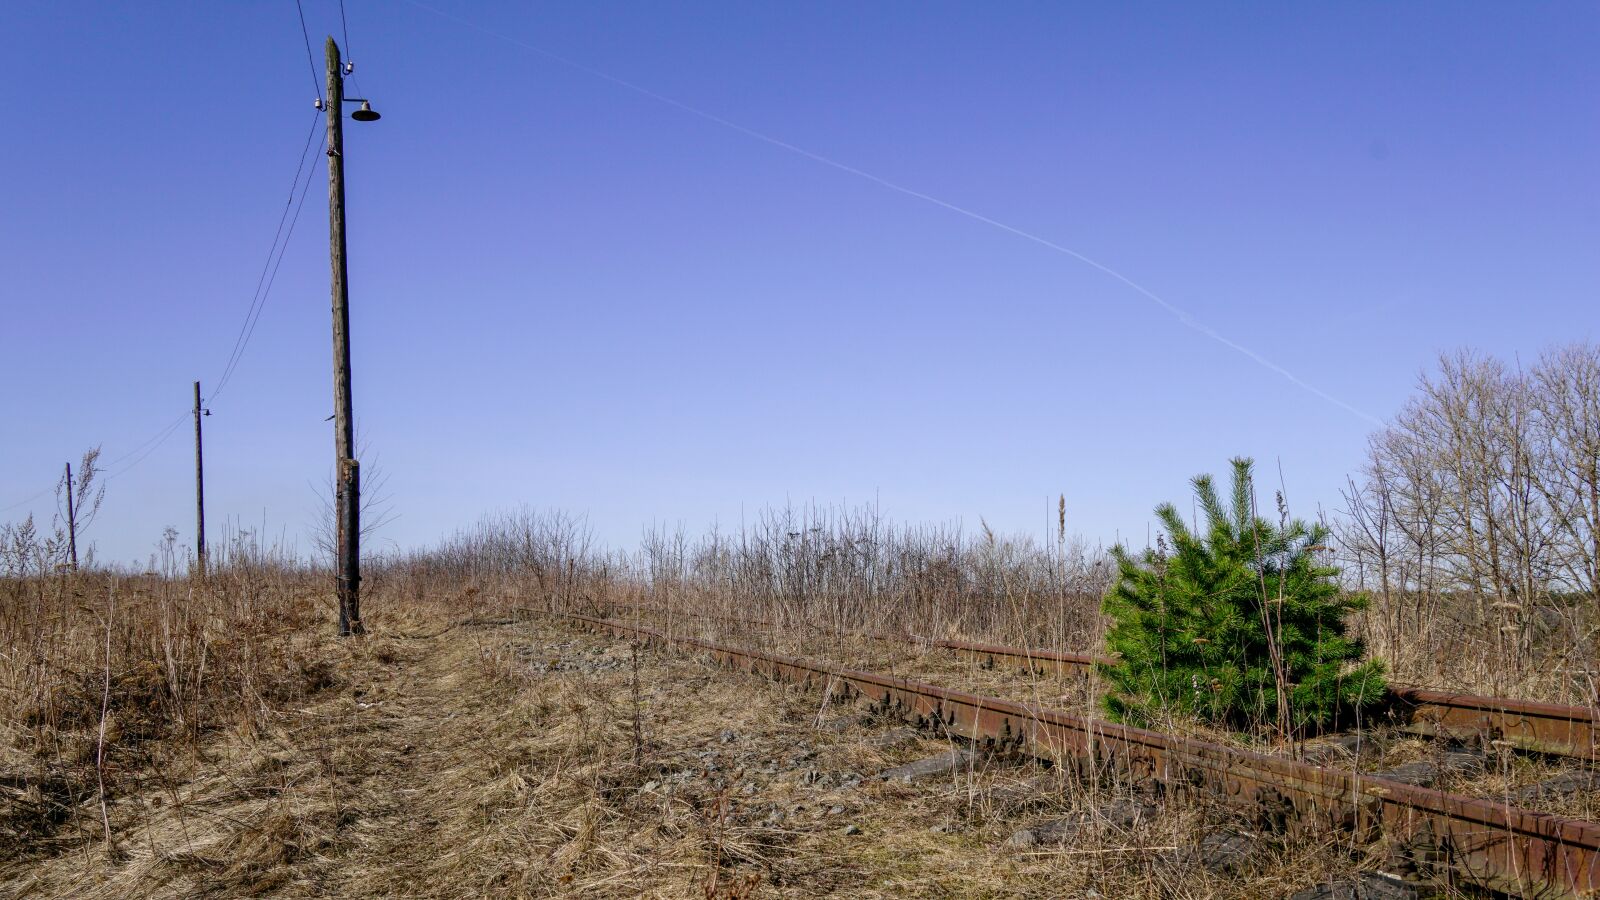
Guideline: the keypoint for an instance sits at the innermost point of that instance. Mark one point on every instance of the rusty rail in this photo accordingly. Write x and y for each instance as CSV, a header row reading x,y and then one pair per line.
x,y
1493,845
1526,725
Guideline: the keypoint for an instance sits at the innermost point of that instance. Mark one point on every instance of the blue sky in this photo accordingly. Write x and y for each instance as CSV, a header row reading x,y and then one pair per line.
x,y
568,293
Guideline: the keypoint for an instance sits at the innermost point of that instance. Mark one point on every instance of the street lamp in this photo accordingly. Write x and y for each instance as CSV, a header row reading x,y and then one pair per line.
x,y
347,471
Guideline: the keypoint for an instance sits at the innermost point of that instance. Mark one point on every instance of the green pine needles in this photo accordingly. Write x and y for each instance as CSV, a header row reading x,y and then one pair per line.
x,y
1239,626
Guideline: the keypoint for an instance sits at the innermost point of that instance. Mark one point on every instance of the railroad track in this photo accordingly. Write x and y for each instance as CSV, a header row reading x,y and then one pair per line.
x,y
1450,837
1525,725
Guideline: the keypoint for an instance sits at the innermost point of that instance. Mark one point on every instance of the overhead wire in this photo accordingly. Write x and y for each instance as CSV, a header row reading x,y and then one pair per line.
x,y
155,438
1183,316
142,450
27,500
349,55
264,282
344,29
154,445
268,276
316,83
272,279
269,268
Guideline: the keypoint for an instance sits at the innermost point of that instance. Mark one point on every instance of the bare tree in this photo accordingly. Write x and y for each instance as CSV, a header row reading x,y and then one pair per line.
x,y
80,495
1477,510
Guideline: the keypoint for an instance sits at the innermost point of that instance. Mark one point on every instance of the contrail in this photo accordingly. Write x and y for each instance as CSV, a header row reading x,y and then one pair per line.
x,y
1177,312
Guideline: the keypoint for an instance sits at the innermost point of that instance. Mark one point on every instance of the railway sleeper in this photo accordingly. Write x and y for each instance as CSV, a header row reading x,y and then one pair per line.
x,y
949,763
1547,865
1225,850
1564,785
1427,772
1122,814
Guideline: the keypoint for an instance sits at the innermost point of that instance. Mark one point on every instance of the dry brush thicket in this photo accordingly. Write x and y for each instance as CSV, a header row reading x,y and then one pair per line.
x,y
1473,525
105,676
839,568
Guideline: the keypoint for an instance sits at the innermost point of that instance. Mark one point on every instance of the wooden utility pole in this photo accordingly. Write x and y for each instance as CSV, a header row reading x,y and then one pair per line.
x,y
72,524
199,491
346,472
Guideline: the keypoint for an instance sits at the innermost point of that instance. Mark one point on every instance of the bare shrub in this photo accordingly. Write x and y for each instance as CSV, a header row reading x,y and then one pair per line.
x,y
1474,522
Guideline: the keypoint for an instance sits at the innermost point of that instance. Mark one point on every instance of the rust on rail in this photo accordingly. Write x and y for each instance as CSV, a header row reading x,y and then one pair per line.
x,y
1524,724
1494,845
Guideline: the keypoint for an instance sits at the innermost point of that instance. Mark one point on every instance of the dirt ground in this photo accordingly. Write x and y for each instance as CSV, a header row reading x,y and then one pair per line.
x,y
529,760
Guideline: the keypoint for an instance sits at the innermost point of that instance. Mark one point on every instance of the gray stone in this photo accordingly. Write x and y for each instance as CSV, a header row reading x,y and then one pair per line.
x,y
1121,814
838,725
1125,813
811,777
852,829
1564,785
932,767
1364,886
1420,773
894,739
1057,831
1010,799
1222,850
1023,840
1425,772
1336,749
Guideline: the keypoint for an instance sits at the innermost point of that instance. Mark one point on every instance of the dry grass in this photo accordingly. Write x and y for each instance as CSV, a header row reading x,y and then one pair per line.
x,y
498,760
240,750
1384,747
107,680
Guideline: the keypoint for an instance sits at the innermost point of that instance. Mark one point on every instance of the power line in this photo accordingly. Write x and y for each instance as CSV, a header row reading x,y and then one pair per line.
x,y
256,298
155,444
316,83
1177,312
27,500
344,29
269,268
350,64
271,279
269,271
152,439
143,450
269,274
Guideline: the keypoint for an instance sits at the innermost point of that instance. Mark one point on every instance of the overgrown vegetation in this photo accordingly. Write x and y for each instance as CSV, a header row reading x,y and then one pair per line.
x,y
1475,523
1472,528
107,677
1238,625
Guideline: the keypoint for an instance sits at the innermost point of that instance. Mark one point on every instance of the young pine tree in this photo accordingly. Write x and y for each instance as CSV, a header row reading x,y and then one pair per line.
x,y
1210,626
